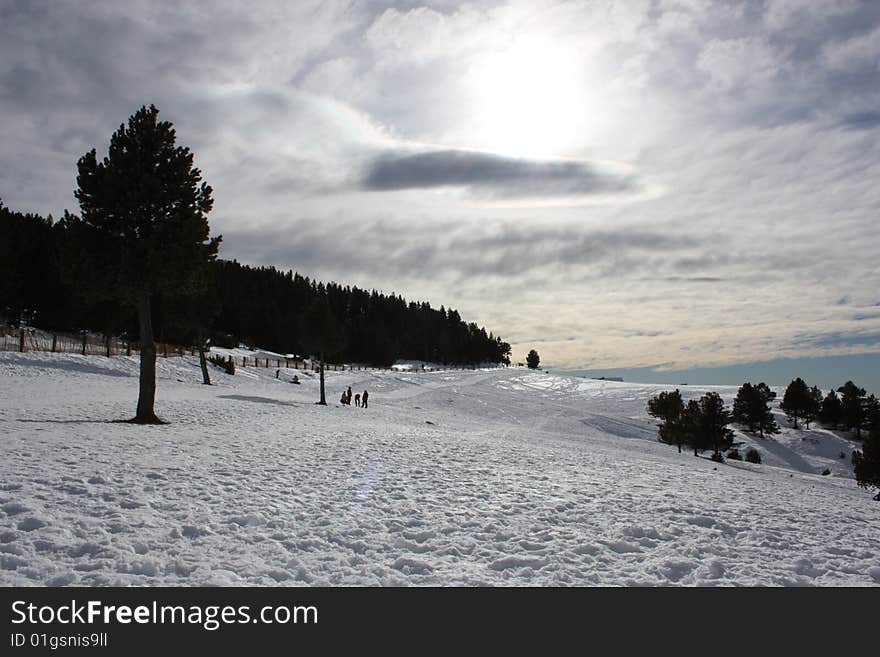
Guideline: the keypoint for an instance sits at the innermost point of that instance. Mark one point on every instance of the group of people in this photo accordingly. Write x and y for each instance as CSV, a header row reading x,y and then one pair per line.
x,y
359,400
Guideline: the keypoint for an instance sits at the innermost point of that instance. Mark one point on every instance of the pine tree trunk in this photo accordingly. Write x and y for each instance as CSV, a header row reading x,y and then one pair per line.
x,y
147,397
323,401
203,362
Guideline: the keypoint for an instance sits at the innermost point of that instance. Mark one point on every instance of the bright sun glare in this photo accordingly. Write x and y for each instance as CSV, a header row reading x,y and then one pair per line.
x,y
529,101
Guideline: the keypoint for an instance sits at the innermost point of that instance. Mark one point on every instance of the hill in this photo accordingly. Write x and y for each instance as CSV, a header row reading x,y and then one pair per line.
x,y
494,476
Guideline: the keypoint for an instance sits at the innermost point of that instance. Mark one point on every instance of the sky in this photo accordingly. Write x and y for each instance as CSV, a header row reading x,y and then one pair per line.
x,y
829,372
657,184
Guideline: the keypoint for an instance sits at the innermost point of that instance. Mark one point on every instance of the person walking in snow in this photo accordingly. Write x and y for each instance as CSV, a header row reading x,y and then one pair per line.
x,y
343,399
357,400
348,394
364,398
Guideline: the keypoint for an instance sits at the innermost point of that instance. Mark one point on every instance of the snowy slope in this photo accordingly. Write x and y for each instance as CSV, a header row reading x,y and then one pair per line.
x,y
499,477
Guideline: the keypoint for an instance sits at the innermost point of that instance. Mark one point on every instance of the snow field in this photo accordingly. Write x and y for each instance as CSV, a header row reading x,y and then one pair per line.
x,y
487,477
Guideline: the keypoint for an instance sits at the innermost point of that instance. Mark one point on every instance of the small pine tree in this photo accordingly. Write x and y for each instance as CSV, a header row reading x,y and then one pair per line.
x,y
813,407
532,360
704,425
668,408
852,403
795,400
322,335
742,405
751,408
766,421
714,421
831,411
689,425
870,413
866,463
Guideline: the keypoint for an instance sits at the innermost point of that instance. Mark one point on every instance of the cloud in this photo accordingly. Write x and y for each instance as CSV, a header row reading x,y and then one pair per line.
x,y
862,50
350,141
867,120
388,250
493,175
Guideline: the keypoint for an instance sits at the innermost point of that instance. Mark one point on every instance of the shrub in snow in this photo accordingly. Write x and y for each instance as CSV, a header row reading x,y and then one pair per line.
x,y
717,457
734,454
753,456
826,472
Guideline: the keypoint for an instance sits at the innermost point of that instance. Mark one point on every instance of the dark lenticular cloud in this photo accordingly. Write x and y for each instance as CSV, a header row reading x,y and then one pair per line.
x,y
492,175
862,121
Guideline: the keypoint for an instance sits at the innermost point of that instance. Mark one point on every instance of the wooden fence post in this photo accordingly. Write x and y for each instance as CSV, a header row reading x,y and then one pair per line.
x,y
54,342
21,345
85,342
107,346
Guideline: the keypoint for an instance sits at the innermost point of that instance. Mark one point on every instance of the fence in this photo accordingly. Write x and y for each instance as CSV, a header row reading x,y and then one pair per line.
x,y
302,364
96,345
83,343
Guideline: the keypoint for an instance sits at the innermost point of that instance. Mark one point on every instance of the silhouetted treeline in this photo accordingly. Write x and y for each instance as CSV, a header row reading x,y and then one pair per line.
x,y
268,307
260,306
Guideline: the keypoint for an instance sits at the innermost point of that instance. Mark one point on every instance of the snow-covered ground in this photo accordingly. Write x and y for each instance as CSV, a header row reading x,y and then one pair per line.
x,y
498,477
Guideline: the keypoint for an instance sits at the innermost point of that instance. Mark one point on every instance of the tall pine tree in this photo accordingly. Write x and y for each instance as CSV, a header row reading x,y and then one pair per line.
x,y
143,229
